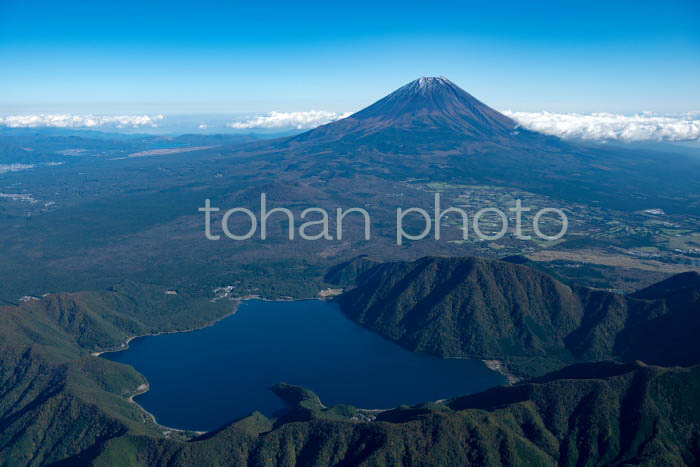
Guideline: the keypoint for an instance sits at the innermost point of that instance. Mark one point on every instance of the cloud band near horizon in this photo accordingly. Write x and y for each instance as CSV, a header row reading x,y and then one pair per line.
x,y
80,121
611,127
594,127
298,120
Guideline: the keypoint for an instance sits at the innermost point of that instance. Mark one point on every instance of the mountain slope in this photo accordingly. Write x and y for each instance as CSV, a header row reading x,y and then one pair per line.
x,y
49,412
586,415
669,336
473,307
424,105
58,402
453,306
61,405
430,129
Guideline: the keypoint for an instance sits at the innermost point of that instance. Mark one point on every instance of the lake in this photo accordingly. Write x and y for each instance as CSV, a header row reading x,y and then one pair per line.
x,y
203,379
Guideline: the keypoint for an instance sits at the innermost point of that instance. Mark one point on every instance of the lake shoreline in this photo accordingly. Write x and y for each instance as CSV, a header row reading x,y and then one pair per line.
x,y
323,295
237,302
496,366
144,387
499,367
125,344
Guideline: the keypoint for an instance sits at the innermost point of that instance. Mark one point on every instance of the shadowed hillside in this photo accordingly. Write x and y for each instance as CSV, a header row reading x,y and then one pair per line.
x,y
61,405
56,400
585,415
479,308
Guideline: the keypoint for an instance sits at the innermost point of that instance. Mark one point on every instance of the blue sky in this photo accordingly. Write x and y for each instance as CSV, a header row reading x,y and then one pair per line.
x,y
191,57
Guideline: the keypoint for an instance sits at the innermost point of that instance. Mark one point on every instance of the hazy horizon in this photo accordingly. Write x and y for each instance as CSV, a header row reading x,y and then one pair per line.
x,y
595,126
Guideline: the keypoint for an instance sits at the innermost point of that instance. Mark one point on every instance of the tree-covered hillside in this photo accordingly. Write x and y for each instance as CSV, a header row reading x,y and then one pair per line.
x,y
605,413
57,400
480,308
61,405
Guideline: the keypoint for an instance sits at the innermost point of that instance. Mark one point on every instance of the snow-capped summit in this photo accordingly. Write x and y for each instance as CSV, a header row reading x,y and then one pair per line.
x,y
433,104
425,82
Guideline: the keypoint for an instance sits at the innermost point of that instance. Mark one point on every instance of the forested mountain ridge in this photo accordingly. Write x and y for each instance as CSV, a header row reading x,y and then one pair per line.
x,y
595,414
481,308
56,400
62,405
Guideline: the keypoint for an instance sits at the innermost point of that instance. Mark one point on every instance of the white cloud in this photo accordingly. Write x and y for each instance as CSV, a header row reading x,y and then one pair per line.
x,y
606,126
298,120
597,126
79,121
14,167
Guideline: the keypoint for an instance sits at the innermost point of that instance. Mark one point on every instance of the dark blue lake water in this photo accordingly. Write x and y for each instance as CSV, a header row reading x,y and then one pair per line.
x,y
203,379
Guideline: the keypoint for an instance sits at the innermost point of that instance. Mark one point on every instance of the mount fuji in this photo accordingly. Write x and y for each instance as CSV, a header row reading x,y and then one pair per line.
x,y
424,105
